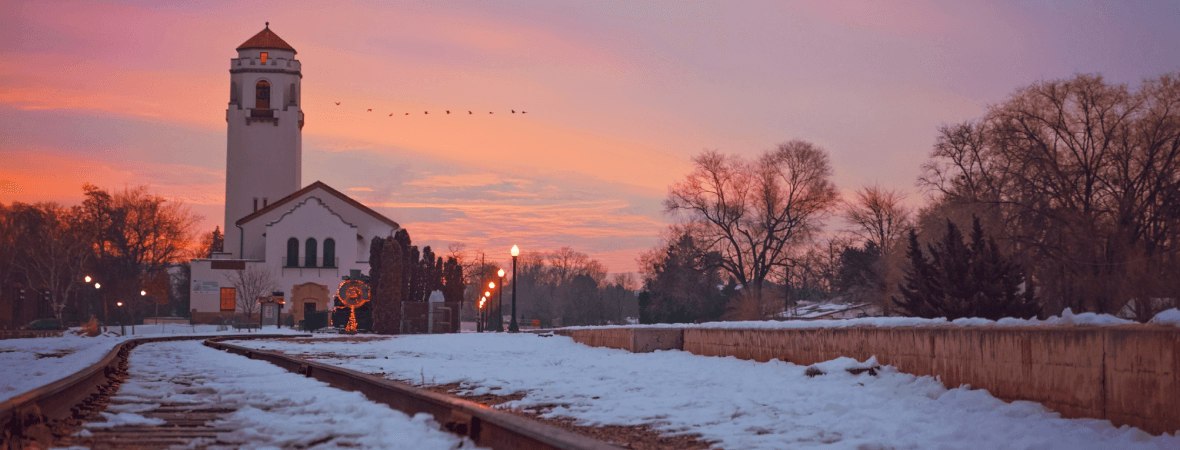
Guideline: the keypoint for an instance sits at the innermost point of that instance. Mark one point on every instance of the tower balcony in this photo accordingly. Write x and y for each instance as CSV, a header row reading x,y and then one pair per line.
x,y
261,115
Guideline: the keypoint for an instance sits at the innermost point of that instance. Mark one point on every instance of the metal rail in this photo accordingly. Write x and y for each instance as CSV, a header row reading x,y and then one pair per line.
x,y
486,426
30,415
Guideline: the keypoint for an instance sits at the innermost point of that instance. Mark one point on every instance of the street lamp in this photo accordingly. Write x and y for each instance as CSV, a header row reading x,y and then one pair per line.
x,y
512,326
499,319
122,327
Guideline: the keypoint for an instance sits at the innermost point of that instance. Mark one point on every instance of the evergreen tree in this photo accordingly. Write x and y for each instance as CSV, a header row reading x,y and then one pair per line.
x,y
961,280
858,277
387,302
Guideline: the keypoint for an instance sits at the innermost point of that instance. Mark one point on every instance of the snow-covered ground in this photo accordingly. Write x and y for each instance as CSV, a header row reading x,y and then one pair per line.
x,y
27,364
739,404
1067,318
274,408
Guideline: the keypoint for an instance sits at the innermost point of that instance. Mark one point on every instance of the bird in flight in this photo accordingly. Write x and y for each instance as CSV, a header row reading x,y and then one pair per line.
x,y
370,109
426,112
524,112
337,103
489,112
390,114
468,112
514,111
448,111
407,114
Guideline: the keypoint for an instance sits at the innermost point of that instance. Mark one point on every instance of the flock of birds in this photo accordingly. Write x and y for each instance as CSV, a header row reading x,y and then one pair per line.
x,y
448,111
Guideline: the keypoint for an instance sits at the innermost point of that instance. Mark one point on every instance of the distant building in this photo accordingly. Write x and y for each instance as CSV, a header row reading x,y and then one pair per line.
x,y
307,237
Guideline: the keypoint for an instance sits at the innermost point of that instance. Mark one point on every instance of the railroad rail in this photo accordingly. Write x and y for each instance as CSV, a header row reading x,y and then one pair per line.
x,y
30,419
485,426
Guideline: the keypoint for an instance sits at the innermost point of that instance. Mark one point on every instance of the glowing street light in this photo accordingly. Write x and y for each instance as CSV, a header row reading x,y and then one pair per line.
x,y
97,286
142,293
499,316
87,278
513,327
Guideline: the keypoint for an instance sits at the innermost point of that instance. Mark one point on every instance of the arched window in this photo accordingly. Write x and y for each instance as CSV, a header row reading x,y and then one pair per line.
x,y
262,95
292,252
309,253
329,252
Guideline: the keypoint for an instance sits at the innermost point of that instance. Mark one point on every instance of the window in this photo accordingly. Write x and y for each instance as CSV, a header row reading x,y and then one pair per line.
x,y
262,95
256,203
263,202
292,252
309,253
227,298
263,56
329,252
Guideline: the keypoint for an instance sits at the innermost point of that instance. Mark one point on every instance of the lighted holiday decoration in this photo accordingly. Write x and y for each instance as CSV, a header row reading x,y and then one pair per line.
x,y
352,293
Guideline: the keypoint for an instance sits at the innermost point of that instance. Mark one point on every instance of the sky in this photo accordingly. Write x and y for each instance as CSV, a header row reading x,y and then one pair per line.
x,y
620,95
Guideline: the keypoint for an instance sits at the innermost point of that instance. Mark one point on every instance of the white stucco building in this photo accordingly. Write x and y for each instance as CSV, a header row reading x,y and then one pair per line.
x,y
307,238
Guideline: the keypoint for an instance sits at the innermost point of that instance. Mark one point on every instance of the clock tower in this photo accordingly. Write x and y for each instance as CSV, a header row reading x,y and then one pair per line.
x,y
264,142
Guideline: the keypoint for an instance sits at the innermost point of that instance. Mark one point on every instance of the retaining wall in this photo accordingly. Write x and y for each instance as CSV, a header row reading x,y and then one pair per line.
x,y
1129,375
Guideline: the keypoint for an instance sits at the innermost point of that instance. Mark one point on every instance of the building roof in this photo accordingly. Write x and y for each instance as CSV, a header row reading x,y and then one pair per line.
x,y
266,39
311,187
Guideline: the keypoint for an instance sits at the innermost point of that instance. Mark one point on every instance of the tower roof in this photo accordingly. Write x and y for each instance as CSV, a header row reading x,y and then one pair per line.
x,y
266,39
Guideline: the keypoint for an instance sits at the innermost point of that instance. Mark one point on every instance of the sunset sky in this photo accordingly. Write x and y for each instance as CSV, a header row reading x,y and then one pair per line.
x,y
620,95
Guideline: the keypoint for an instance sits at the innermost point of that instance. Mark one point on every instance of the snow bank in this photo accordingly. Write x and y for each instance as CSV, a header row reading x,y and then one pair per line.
x,y
1067,318
737,403
1168,317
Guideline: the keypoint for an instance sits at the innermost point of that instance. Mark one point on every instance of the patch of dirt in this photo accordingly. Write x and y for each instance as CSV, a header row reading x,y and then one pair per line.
x,y
634,437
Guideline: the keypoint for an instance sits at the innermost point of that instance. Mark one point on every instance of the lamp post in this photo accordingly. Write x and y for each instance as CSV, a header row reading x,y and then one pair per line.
x,y
512,326
122,328
143,294
499,319
491,314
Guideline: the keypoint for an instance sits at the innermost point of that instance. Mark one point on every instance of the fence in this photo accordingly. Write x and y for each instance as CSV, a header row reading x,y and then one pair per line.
x,y
1129,375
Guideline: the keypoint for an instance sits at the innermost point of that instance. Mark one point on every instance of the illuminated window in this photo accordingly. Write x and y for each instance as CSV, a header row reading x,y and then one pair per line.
x,y
263,57
227,298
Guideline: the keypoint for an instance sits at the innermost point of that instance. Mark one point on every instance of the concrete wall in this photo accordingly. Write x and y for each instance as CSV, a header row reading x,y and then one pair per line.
x,y
1129,375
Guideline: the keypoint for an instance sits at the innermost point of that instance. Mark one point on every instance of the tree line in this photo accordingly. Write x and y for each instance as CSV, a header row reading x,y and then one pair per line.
x,y
124,240
1071,190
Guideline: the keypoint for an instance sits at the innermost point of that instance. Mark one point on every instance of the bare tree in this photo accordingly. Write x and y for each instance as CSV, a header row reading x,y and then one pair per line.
x,y
52,251
250,284
876,214
753,212
1081,178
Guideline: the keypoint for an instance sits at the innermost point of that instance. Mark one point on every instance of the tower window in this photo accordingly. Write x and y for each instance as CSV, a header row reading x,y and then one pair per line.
x,y
263,202
256,203
263,56
262,95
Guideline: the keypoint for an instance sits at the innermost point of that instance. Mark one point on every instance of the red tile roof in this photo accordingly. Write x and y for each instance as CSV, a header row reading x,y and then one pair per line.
x,y
266,39
325,188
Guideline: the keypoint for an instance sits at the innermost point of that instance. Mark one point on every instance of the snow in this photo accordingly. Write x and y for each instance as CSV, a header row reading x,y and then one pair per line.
x,y
1067,318
736,403
27,364
275,408
1168,317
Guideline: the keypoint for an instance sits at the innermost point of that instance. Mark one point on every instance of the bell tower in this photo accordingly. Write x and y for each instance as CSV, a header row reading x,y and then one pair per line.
x,y
264,142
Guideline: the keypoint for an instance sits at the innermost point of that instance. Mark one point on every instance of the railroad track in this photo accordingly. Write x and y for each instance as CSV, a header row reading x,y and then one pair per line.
x,y
53,414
